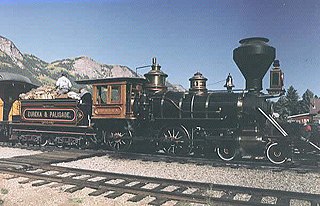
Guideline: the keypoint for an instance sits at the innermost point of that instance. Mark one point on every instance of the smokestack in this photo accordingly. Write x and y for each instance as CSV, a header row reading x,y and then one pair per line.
x,y
254,57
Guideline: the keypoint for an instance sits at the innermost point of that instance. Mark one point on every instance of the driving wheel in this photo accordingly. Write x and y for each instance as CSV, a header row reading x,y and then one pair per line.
x,y
174,140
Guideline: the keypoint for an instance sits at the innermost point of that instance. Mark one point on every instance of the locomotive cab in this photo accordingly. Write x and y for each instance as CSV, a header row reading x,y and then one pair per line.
x,y
115,97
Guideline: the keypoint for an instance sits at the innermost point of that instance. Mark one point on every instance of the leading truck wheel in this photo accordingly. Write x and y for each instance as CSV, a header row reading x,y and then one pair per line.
x,y
226,153
276,153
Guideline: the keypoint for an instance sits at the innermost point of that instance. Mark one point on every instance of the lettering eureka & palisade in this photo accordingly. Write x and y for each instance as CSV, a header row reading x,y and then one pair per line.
x,y
49,114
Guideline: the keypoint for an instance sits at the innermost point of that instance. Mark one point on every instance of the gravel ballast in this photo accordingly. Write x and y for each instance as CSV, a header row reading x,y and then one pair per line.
x,y
284,180
12,193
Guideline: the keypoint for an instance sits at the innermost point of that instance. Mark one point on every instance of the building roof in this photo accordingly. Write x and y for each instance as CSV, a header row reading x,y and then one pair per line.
x,y
12,77
299,115
314,106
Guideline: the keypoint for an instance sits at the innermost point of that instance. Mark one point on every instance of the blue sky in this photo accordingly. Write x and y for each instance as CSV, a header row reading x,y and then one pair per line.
x,y
186,36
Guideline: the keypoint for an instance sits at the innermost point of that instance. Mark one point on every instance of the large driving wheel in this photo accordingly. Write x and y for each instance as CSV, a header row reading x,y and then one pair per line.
x,y
276,153
119,140
226,152
174,140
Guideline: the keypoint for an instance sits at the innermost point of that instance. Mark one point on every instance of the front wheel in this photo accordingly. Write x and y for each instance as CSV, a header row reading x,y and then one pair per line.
x,y
276,153
226,152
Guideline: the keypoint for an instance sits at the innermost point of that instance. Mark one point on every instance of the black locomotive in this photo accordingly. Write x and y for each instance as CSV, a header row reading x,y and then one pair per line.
x,y
125,111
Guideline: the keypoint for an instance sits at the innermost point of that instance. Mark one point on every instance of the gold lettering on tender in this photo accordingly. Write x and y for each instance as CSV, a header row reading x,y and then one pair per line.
x,y
60,115
34,114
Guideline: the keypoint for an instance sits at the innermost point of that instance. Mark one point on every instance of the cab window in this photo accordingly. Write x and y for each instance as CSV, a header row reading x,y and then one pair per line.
x,y
102,92
115,94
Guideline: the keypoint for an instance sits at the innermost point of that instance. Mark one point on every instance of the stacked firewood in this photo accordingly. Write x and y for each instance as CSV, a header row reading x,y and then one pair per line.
x,y
46,92
43,92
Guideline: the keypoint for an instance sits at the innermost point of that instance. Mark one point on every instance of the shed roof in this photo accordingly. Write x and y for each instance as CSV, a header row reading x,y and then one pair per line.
x,y
12,77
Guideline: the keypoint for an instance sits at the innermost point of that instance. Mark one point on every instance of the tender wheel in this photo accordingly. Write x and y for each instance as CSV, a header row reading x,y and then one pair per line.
x,y
83,143
59,142
119,141
174,140
43,141
22,141
226,152
276,153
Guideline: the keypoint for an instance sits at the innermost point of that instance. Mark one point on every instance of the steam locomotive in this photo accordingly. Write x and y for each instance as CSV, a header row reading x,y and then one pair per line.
x,y
120,112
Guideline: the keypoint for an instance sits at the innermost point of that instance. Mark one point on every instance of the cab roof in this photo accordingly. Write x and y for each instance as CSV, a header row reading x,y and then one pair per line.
x,y
112,79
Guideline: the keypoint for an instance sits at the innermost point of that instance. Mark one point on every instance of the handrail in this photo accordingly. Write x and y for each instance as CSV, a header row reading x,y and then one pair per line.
x,y
308,141
273,122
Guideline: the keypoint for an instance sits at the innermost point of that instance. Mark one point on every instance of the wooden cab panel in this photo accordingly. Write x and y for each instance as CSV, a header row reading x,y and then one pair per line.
x,y
109,100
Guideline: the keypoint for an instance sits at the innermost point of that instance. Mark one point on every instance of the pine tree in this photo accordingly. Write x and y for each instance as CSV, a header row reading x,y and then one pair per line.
x,y
281,107
305,102
293,101
289,104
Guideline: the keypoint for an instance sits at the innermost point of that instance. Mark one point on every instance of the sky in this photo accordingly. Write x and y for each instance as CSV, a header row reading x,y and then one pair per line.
x,y
186,36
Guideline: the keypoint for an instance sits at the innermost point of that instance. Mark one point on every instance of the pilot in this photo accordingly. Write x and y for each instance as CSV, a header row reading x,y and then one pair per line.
x,y
63,84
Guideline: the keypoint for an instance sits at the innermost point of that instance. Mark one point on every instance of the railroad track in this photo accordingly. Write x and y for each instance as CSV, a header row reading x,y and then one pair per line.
x,y
299,166
38,168
113,185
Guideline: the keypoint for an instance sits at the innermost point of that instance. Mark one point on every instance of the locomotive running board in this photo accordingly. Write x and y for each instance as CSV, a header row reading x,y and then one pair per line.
x,y
273,122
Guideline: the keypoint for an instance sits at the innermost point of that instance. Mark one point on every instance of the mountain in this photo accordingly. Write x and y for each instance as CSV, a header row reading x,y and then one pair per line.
x,y
43,73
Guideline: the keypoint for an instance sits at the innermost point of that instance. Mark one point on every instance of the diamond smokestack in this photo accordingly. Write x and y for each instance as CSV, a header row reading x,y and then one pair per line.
x,y
254,57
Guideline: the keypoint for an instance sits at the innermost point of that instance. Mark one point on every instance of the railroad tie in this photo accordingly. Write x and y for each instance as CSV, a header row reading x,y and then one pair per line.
x,y
228,195
114,195
26,181
158,201
255,198
283,201
98,192
40,183
73,189
137,198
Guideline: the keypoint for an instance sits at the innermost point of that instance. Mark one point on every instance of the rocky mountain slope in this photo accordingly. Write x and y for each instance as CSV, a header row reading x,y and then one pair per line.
x,y
41,72
44,73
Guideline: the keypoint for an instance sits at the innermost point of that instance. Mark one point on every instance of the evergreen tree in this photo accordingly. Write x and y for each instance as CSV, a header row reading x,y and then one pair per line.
x,y
291,104
305,102
281,107
293,101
